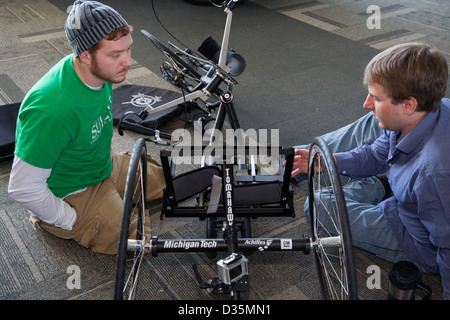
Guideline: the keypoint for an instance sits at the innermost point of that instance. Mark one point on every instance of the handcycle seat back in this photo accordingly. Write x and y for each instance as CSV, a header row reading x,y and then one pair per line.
x,y
262,198
193,182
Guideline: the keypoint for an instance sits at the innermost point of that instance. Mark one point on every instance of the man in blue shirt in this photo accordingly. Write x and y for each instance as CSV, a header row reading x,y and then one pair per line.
x,y
411,145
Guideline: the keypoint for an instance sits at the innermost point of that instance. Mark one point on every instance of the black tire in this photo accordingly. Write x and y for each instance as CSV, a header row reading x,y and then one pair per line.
x,y
129,259
331,234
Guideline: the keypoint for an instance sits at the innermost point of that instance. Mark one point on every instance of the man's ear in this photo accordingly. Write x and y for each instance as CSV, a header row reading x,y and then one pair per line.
x,y
410,105
85,57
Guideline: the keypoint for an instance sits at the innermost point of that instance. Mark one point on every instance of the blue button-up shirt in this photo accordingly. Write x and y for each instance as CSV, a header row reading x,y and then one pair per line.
x,y
418,169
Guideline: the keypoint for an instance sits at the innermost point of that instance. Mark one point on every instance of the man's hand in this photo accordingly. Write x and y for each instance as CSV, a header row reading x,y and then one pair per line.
x,y
300,163
301,159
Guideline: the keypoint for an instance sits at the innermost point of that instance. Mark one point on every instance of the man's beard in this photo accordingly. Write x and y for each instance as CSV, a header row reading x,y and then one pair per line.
x,y
95,70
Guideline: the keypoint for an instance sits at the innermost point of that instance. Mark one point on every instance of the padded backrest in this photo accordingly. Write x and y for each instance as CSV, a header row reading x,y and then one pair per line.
x,y
257,193
193,182
8,119
188,184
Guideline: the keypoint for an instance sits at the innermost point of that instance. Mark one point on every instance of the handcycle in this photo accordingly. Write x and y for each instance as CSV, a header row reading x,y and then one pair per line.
x,y
216,180
332,248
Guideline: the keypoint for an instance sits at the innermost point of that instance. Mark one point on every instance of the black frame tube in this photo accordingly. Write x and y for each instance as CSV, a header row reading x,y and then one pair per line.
x,y
220,245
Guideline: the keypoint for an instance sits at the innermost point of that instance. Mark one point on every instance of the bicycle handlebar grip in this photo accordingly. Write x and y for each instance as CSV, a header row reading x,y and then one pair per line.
x,y
138,128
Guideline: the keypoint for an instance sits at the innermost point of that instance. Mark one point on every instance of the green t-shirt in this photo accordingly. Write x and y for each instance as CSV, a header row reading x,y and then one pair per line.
x,y
66,126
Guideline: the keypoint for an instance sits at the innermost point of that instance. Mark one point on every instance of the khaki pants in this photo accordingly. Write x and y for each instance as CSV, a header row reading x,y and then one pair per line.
x,y
99,207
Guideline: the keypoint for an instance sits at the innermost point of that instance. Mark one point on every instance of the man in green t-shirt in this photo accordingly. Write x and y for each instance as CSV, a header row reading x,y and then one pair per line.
x,y
63,170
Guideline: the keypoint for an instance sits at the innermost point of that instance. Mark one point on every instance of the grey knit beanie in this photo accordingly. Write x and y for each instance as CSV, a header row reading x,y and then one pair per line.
x,y
89,22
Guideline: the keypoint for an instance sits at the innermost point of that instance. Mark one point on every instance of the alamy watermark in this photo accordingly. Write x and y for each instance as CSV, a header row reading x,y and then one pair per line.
x,y
74,21
74,279
232,145
374,21
373,280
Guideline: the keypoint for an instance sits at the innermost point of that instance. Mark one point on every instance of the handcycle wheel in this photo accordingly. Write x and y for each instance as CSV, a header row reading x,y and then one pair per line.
x,y
174,59
331,235
132,236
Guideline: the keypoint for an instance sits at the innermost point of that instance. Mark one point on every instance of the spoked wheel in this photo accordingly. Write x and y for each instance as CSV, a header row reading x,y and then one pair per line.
x,y
133,235
331,233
